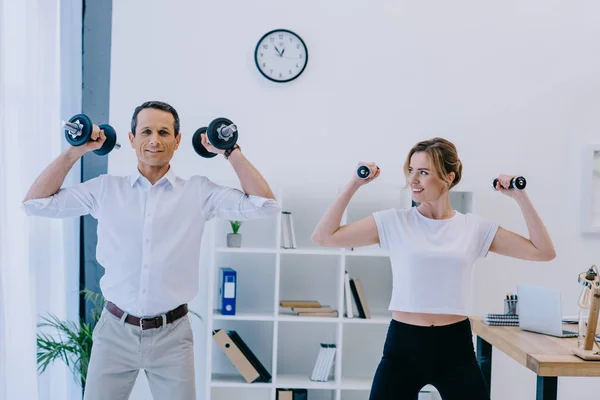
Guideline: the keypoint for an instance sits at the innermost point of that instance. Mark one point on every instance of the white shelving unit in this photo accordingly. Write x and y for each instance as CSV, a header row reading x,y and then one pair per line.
x,y
288,345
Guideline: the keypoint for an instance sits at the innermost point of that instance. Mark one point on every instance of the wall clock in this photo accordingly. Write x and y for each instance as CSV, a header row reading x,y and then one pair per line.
x,y
281,55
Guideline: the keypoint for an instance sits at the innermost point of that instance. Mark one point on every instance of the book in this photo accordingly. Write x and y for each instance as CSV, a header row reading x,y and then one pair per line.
x,y
324,364
313,309
501,316
292,394
348,296
501,323
285,394
300,303
288,240
500,319
318,314
241,356
359,299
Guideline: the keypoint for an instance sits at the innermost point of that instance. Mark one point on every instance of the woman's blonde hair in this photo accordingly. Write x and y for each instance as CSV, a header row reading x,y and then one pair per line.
x,y
444,159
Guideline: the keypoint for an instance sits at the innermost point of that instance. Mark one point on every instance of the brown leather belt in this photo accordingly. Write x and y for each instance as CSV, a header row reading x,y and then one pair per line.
x,y
148,323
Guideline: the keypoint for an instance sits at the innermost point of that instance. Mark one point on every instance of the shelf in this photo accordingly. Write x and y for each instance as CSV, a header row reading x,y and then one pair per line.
x,y
349,383
261,250
313,251
295,318
287,344
307,251
302,381
221,380
244,316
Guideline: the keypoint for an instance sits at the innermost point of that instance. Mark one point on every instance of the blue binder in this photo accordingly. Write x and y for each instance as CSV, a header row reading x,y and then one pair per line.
x,y
228,290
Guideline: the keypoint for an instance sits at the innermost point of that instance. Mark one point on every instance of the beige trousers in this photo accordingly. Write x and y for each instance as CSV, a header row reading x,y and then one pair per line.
x,y
120,350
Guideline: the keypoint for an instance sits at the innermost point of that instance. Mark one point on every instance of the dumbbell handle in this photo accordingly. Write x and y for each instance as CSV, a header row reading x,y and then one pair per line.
x,y
226,131
75,130
518,182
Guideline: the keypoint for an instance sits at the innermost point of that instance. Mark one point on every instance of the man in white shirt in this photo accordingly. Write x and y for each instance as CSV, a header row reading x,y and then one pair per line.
x,y
150,226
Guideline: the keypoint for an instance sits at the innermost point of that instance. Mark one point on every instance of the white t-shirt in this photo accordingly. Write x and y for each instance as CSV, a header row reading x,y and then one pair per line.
x,y
432,260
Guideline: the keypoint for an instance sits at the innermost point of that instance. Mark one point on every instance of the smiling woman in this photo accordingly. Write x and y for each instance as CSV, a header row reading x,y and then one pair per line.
x,y
431,242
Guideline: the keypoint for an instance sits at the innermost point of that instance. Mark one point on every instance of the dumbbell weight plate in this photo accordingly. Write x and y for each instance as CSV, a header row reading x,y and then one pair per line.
x,y
198,146
213,134
519,182
111,139
363,172
86,130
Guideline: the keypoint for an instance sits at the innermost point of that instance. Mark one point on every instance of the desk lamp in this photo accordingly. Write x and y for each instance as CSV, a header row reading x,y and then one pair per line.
x,y
588,300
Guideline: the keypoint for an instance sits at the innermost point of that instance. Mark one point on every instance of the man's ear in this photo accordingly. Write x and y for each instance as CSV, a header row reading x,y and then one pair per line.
x,y
178,140
131,137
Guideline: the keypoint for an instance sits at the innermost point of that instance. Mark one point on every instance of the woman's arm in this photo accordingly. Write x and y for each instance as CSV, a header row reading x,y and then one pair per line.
x,y
364,232
539,246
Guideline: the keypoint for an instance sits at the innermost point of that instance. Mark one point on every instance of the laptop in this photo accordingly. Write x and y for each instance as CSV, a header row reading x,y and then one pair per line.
x,y
540,311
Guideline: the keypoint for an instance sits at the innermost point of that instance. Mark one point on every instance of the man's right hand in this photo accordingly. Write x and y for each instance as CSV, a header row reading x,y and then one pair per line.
x,y
96,141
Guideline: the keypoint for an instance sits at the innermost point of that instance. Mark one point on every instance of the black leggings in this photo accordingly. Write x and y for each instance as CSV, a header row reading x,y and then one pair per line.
x,y
443,356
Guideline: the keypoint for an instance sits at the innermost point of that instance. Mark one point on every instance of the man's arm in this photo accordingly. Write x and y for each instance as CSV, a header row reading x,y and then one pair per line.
x,y
52,178
251,180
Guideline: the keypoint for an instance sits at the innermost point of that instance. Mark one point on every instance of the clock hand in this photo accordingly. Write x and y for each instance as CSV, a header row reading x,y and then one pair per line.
x,y
277,50
282,51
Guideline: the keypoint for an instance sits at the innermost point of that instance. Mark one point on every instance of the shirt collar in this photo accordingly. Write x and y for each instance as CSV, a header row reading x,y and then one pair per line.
x,y
169,176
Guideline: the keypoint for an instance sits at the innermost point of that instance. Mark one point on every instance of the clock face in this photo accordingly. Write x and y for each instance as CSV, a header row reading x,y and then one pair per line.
x,y
281,55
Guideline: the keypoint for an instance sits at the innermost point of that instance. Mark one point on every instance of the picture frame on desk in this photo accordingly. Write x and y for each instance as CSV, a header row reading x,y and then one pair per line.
x,y
590,201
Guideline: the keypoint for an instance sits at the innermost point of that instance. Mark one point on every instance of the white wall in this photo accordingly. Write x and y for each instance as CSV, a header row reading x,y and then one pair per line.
x,y
513,84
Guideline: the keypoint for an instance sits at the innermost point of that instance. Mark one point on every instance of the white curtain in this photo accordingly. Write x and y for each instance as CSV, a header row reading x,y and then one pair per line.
x,y
34,252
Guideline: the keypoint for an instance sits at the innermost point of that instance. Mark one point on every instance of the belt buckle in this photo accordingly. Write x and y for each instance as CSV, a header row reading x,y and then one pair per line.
x,y
142,323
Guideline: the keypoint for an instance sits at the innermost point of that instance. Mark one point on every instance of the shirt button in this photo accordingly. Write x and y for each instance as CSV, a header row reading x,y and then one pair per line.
x,y
144,291
145,265
149,214
147,240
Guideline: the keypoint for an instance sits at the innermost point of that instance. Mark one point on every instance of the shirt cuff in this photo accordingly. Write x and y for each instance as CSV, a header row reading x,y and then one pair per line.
x,y
261,201
36,203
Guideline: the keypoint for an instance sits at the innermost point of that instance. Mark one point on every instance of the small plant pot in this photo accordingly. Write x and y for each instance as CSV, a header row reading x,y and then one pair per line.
x,y
234,240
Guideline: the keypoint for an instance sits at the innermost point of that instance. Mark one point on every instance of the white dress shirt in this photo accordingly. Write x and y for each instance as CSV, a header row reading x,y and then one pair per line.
x,y
149,235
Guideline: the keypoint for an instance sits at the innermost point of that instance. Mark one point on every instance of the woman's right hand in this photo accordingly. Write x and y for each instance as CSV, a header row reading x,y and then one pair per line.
x,y
375,171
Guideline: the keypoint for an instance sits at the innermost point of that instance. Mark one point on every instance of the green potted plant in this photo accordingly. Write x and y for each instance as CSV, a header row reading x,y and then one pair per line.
x,y
234,239
71,342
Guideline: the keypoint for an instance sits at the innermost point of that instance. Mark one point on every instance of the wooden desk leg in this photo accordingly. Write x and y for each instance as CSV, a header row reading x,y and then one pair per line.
x,y
547,388
484,358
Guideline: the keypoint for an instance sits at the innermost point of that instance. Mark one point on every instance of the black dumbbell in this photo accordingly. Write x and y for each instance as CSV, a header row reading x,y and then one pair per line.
x,y
363,171
78,131
221,133
518,182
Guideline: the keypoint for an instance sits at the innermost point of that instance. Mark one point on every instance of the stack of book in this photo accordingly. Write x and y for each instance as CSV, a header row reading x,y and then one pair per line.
x,y
308,308
324,364
355,298
501,319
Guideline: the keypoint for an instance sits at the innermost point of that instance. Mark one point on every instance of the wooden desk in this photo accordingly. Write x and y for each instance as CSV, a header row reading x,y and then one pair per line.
x,y
549,357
